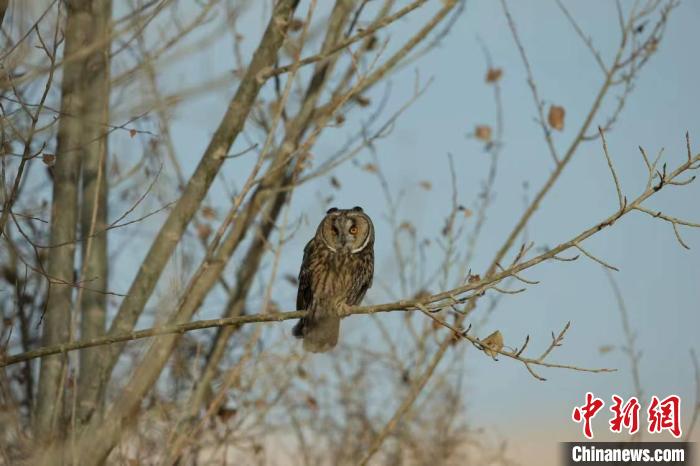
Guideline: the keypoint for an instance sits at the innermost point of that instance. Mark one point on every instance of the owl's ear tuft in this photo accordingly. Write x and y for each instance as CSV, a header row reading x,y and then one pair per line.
x,y
331,210
357,208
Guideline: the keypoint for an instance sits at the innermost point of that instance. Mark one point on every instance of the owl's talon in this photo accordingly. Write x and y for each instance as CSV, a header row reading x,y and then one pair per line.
x,y
343,310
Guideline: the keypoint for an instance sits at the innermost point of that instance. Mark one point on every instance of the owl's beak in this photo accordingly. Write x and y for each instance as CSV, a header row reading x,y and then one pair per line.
x,y
345,239
348,241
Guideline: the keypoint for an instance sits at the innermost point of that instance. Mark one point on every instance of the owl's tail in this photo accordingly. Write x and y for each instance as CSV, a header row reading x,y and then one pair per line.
x,y
319,331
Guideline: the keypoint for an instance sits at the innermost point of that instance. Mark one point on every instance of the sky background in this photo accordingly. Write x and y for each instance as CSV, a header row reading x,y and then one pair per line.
x,y
658,279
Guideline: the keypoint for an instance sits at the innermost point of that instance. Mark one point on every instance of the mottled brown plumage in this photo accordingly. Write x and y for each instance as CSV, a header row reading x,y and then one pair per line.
x,y
336,272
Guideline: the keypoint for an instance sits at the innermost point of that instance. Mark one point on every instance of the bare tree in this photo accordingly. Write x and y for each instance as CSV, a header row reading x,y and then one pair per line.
x,y
97,244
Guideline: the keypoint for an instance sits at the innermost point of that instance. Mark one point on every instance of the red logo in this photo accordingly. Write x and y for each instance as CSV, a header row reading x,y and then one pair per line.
x,y
626,416
665,415
587,412
661,414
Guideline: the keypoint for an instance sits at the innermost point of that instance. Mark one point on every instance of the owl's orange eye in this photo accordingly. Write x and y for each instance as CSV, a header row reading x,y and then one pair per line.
x,y
353,230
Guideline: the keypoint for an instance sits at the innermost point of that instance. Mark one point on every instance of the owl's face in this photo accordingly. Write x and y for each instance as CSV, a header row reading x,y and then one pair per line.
x,y
346,230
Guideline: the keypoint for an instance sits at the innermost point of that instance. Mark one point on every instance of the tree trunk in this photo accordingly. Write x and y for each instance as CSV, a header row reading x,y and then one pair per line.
x,y
93,220
64,211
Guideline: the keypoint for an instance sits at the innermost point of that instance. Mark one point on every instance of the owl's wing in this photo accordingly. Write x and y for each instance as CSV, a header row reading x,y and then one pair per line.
x,y
362,278
304,292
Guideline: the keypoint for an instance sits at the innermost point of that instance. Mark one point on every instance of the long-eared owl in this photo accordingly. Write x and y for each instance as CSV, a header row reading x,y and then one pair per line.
x,y
336,272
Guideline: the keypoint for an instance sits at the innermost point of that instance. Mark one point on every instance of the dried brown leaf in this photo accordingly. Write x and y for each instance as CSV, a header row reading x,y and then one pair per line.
x,y
362,101
421,294
209,213
493,75
372,42
311,402
651,46
225,414
48,159
408,227
370,167
493,343
296,25
556,117
483,133
203,231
